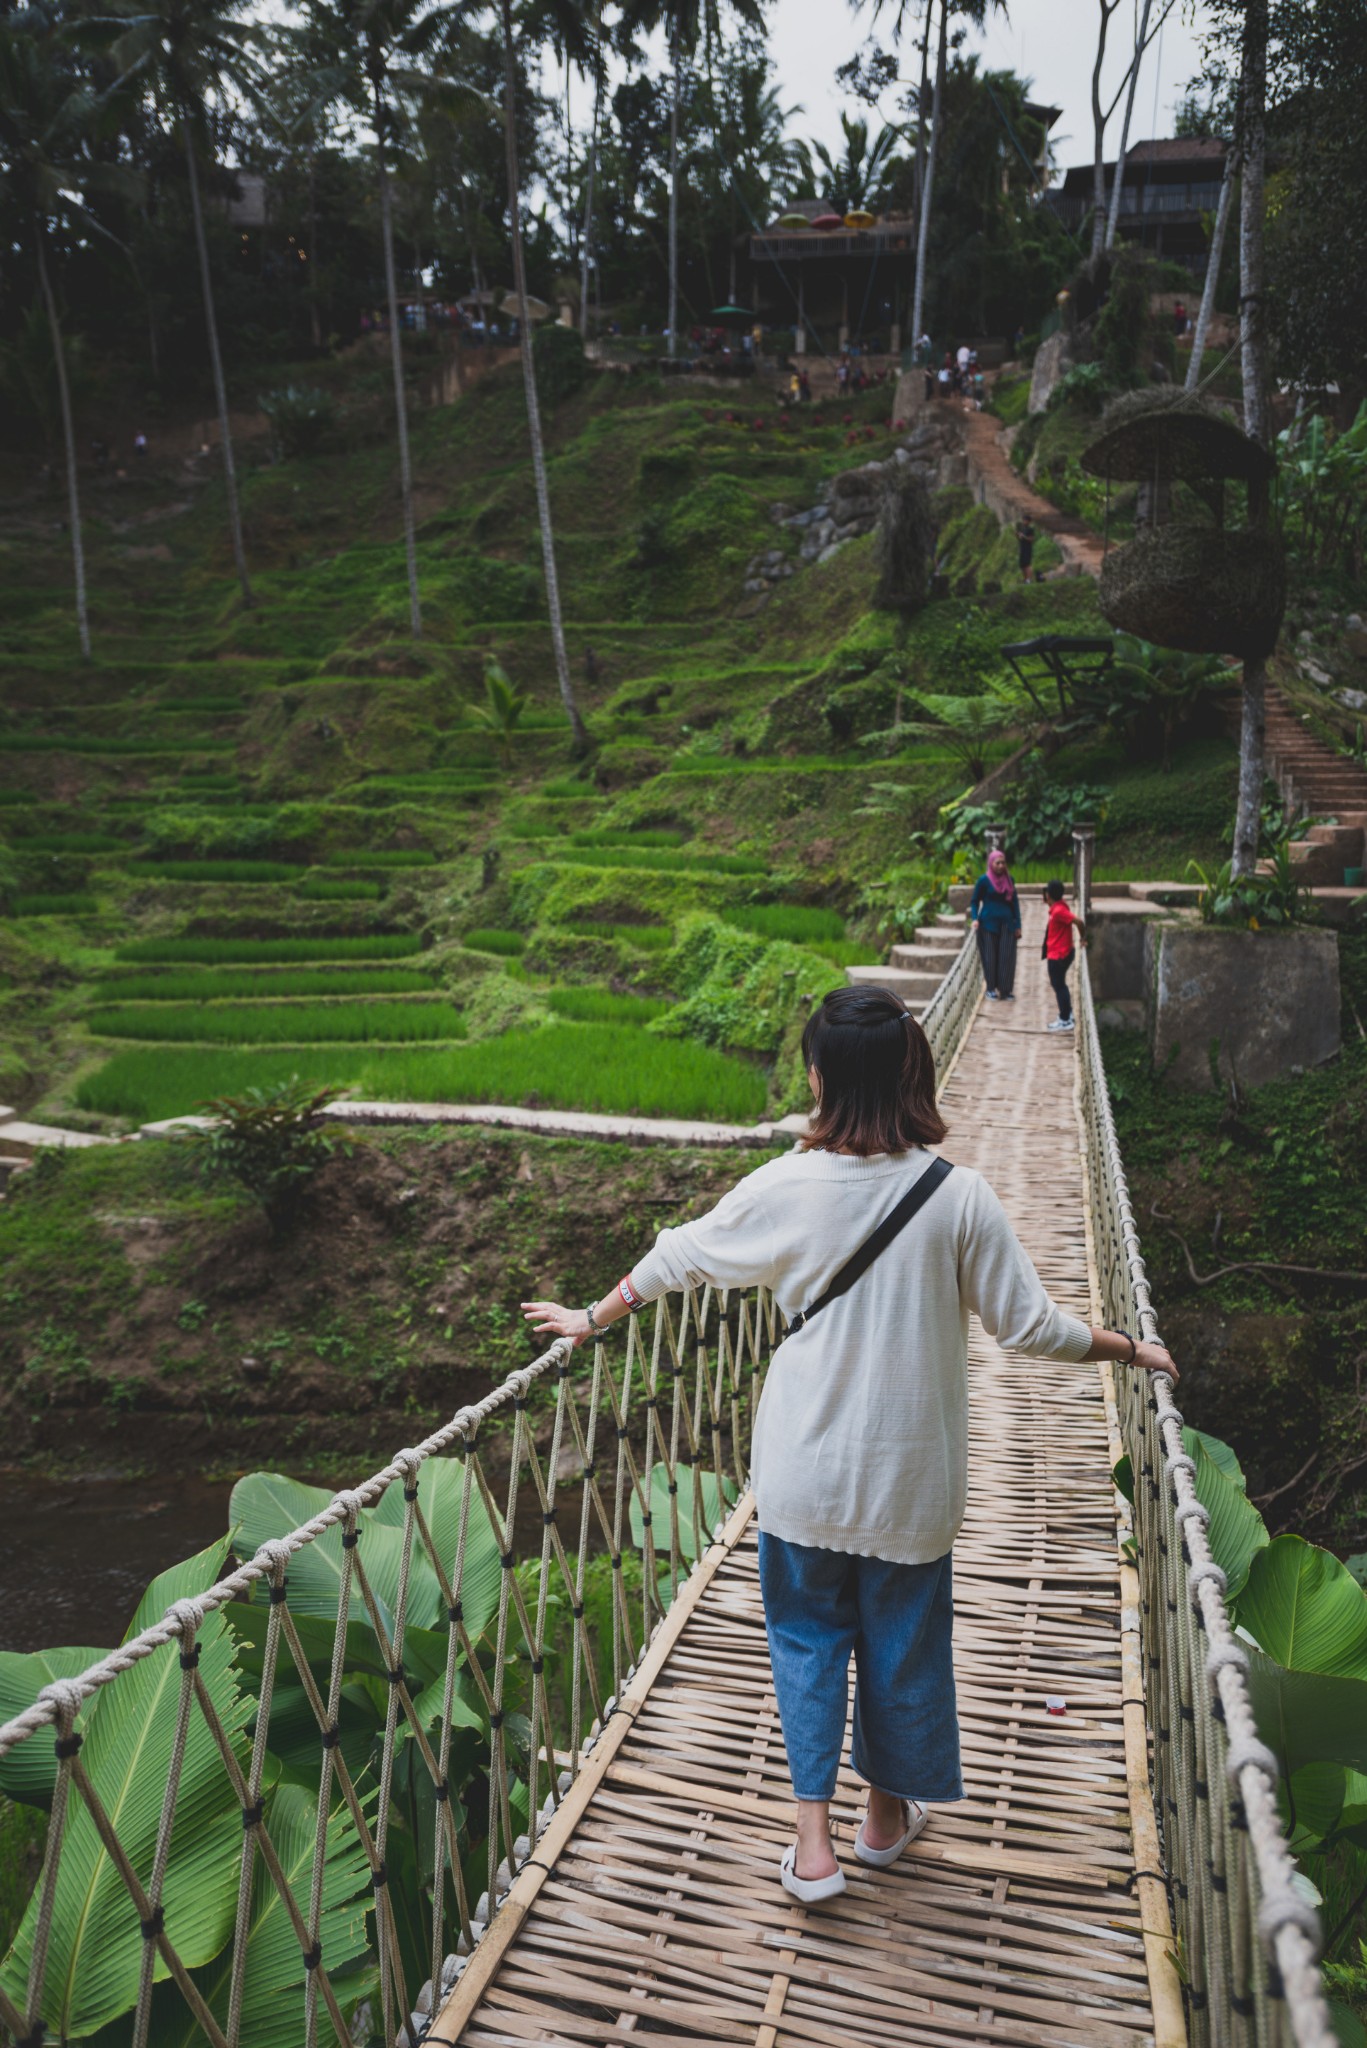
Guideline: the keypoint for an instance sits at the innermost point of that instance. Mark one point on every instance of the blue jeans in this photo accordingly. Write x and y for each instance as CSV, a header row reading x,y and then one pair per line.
x,y
897,1620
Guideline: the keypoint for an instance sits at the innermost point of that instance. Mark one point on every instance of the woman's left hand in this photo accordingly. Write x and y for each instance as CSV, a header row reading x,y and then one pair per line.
x,y
549,1319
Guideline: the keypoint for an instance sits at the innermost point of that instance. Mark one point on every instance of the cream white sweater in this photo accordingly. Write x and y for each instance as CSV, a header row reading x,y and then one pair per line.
x,y
861,1441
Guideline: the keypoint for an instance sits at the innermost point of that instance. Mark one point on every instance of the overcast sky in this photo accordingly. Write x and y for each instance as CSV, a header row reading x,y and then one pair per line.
x,y
1052,42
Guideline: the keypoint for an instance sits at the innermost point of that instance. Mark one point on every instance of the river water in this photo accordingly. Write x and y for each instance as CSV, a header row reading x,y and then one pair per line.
x,y
76,1554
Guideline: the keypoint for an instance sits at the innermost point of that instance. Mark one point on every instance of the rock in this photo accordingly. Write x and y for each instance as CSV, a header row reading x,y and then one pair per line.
x,y
833,549
1352,700
1316,674
1304,637
1353,622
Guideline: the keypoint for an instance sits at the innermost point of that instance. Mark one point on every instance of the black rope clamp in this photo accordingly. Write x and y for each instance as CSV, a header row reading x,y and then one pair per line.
x,y
313,1956
67,1745
252,1816
350,1538
506,1560
496,1719
379,1878
441,1791
538,1664
35,2039
577,1610
548,1518
395,1674
331,1736
153,1927
455,1612
280,1593
410,1493
621,1435
189,1659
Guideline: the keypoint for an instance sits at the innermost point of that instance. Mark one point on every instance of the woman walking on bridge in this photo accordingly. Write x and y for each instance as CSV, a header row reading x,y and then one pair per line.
x,y
996,913
877,1252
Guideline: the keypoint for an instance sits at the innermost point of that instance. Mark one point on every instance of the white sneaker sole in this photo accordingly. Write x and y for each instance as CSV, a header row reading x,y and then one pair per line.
x,y
811,1890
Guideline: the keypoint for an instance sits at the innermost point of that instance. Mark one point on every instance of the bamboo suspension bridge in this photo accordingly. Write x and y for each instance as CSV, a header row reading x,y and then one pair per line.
x,y
1116,1875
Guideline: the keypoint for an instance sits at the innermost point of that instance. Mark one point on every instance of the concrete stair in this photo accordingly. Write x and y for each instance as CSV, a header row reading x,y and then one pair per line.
x,y
914,989
915,970
1317,782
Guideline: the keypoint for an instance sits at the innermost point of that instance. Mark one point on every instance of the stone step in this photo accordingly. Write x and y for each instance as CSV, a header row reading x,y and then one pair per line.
x,y
33,1135
915,989
1346,836
10,1164
950,920
922,959
947,938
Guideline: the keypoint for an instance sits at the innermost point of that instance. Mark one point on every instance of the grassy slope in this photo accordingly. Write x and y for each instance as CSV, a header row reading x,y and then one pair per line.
x,y
735,728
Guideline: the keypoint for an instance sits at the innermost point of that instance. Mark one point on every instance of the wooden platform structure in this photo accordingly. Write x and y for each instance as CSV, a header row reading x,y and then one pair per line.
x,y
1027,1916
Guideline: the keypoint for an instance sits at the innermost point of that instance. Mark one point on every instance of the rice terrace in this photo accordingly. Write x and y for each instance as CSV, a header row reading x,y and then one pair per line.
x,y
683,1024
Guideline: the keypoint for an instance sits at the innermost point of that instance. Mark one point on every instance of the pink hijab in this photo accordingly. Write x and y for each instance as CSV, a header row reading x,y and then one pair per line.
x,y
999,875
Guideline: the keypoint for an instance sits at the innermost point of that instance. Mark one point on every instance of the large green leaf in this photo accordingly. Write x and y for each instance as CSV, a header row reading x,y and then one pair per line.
x,y
1237,1530
714,1505
1308,1717
95,1951
273,1987
267,1504
29,1772
1218,1451
1328,1802
1305,1609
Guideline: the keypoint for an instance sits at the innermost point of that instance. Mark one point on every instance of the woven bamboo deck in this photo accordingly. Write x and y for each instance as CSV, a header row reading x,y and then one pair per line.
x,y
654,1909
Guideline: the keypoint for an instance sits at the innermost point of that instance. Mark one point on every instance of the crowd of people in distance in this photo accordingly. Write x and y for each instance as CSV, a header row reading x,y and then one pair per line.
x,y
958,375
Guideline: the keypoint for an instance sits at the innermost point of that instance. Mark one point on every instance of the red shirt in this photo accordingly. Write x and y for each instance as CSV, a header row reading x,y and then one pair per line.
x,y
1058,938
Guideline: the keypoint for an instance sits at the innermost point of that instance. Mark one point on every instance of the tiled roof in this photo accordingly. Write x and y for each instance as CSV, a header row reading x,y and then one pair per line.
x,y
1175,149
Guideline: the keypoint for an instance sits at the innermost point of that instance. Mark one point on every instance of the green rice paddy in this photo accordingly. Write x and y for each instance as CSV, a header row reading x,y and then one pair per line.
x,y
602,1006
351,1023
489,940
340,892
798,922
616,1069
210,952
660,860
386,857
217,870
73,904
209,984
648,937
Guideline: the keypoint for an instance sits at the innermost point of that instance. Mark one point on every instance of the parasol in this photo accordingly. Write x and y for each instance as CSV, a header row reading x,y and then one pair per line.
x,y
859,217
827,221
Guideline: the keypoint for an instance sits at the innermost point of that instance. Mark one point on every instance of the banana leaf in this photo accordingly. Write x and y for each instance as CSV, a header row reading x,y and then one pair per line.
x,y
95,1950
273,1988
1305,1609
424,1649
714,1506
1218,1451
1307,1717
1330,1805
268,1504
1237,1531
29,1772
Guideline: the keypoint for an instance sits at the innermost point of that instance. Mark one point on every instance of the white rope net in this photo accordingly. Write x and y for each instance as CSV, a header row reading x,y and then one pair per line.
x,y
1248,1935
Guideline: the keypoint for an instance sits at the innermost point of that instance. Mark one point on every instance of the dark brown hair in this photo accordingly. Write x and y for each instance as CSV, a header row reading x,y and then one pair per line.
x,y
877,1075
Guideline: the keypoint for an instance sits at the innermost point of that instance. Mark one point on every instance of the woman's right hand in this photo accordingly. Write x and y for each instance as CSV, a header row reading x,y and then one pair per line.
x,y
1155,1358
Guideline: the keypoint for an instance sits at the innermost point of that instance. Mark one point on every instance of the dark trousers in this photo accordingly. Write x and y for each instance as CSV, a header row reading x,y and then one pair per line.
x,y
1058,980
997,951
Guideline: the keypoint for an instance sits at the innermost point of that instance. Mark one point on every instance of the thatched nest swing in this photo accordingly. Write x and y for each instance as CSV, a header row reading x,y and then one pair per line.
x,y
1198,588
1172,437
1205,589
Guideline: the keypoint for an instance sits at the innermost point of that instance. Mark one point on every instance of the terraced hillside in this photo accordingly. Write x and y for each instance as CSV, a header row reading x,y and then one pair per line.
x,y
243,844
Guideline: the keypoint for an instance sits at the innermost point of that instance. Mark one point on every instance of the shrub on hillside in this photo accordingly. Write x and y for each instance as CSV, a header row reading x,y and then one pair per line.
x,y
300,420
271,1141
558,356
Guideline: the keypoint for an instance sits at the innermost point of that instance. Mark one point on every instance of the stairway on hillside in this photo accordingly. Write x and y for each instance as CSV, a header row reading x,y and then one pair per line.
x,y
1318,783
915,971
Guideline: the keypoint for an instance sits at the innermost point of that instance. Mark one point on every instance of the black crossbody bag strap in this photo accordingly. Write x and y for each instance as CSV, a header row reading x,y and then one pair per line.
x,y
878,1241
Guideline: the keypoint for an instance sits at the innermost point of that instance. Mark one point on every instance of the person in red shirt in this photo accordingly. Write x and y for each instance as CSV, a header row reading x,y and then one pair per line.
x,y
1058,952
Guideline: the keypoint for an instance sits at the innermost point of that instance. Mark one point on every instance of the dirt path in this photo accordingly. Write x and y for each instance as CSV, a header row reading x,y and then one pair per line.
x,y
997,484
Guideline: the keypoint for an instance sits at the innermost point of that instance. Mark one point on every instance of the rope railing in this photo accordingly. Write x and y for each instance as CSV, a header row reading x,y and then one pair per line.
x,y
1248,1937
455,1579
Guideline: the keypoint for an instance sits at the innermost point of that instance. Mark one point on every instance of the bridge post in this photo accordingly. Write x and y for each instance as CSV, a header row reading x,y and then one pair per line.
x,y
1084,844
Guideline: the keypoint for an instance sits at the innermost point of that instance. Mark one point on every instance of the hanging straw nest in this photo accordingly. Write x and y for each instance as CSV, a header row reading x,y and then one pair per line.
x,y
1171,436
906,540
1198,589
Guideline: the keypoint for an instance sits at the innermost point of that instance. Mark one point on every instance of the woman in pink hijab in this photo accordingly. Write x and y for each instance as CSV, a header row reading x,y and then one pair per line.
x,y
996,915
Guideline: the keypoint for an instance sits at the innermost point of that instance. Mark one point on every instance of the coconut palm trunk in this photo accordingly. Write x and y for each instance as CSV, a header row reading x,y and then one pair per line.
x,y
674,190
524,332
1213,262
216,364
410,541
589,181
918,304
69,436
1118,182
1099,119
1253,152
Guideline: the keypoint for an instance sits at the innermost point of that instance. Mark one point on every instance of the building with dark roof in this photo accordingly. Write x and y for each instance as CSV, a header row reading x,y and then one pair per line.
x,y
1170,188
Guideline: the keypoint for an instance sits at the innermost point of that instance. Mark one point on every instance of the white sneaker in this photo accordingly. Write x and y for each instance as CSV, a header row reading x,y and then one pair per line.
x,y
1060,1024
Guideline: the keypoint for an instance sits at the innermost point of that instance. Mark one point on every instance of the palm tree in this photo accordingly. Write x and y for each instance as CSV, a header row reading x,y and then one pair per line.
x,y
375,48
45,120
188,51
687,23
1252,141
859,174
524,331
